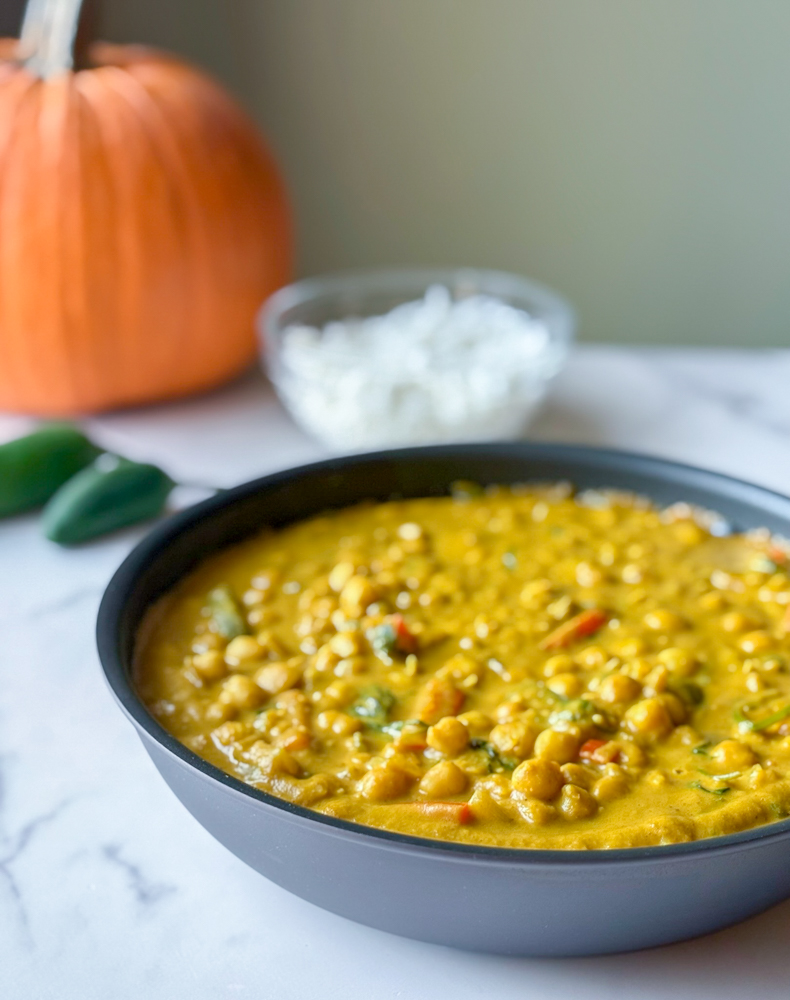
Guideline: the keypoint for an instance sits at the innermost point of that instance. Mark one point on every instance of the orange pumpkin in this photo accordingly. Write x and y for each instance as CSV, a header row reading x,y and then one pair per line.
x,y
142,224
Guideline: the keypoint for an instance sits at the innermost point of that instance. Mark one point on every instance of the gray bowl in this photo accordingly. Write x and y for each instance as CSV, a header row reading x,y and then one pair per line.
x,y
511,902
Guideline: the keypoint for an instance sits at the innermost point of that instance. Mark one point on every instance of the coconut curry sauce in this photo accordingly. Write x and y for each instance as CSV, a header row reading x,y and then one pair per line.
x,y
518,667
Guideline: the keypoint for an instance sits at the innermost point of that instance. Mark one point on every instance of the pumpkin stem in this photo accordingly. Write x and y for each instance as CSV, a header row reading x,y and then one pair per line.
x,y
49,35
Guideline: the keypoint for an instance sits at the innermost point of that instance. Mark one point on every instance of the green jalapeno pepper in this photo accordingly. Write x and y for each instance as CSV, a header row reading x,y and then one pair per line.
x,y
33,467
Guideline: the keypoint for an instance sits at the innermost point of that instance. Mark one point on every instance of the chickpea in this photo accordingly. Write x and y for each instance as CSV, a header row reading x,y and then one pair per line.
x,y
277,677
577,774
410,738
442,780
242,650
565,685
240,691
403,760
315,788
656,681
345,644
610,786
535,812
205,642
675,707
356,595
760,776
631,755
382,783
477,723
592,657
560,745
516,738
218,711
350,666
253,597
271,645
662,620
337,723
712,601
577,803
296,738
733,755
560,664
485,806
735,621
230,732
272,760
686,736
536,594
449,736
628,646
632,573
538,778
325,659
648,718
340,575
618,688
756,642
638,668
688,533
339,693
587,575
678,661
498,784
508,710
209,666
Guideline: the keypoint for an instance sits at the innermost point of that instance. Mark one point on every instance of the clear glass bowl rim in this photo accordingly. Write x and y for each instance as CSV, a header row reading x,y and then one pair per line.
x,y
412,283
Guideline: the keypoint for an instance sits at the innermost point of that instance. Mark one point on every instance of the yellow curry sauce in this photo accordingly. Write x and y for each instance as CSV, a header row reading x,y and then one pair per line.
x,y
519,667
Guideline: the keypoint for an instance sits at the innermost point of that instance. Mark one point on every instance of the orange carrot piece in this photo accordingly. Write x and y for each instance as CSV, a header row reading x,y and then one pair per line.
x,y
581,625
438,697
405,641
599,751
589,747
454,812
415,744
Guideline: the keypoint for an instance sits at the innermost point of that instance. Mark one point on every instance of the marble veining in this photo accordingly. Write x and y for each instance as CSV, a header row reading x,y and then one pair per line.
x,y
109,889
146,893
15,846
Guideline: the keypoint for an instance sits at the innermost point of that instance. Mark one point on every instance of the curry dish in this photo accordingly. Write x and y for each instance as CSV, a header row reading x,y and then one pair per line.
x,y
512,667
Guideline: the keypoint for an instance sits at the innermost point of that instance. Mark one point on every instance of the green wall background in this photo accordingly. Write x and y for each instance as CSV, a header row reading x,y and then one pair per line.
x,y
635,154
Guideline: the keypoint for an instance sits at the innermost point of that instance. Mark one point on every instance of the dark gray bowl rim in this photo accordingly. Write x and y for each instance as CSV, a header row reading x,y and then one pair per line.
x,y
120,683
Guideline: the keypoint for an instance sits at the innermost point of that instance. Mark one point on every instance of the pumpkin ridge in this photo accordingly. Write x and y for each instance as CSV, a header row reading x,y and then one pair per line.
x,y
265,202
114,133
99,243
189,212
17,90
221,191
252,154
75,333
58,360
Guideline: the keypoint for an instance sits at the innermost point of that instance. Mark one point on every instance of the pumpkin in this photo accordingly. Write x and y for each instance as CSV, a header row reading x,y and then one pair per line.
x,y
142,224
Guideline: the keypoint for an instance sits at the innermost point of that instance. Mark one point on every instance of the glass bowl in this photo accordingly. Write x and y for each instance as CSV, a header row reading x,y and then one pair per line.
x,y
468,359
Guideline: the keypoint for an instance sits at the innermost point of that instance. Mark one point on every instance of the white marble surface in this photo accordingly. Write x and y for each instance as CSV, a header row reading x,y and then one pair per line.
x,y
109,889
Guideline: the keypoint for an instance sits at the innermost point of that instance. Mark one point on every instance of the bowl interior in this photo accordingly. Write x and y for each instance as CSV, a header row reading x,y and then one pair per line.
x,y
179,544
